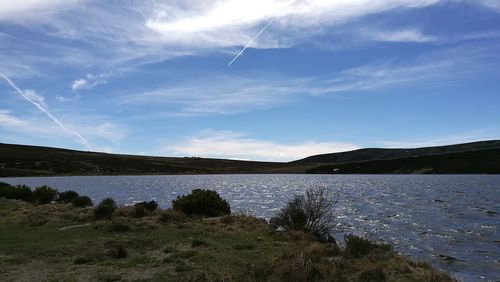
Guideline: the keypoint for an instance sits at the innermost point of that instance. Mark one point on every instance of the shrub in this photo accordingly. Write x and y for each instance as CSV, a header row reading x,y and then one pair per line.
x,y
82,202
202,202
356,246
44,195
67,196
105,209
5,190
149,206
312,213
19,192
117,250
23,193
198,243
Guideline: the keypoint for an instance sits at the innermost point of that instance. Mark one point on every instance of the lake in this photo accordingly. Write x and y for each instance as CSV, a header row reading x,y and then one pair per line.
x,y
427,217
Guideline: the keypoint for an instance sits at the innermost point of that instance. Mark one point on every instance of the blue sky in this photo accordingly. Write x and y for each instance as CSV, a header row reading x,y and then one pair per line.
x,y
152,77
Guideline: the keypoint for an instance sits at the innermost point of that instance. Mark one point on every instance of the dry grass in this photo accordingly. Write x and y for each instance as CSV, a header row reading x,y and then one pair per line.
x,y
169,246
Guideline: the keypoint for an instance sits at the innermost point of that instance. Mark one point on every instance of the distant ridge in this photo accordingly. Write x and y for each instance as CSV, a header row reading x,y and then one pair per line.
x,y
475,157
371,154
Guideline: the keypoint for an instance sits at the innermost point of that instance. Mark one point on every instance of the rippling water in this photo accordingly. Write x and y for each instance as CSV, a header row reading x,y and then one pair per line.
x,y
425,217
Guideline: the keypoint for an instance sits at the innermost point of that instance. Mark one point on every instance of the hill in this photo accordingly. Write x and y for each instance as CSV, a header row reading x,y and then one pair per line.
x,y
371,154
476,157
471,162
22,160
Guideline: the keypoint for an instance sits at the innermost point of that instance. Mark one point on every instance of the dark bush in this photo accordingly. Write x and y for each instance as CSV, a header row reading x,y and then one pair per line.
x,y
67,196
148,206
19,192
44,195
356,246
23,193
105,209
312,213
143,208
5,190
82,202
116,250
202,202
198,243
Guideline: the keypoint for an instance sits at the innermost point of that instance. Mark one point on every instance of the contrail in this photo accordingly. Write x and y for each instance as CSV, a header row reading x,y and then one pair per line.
x,y
251,41
46,112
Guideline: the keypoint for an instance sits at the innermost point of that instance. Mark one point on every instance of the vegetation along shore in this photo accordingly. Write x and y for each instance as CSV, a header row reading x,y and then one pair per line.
x,y
47,235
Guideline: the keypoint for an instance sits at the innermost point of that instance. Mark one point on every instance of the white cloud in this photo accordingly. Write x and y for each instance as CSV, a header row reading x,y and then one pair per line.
x,y
493,4
221,94
90,81
406,35
234,23
7,120
31,9
138,31
229,144
96,130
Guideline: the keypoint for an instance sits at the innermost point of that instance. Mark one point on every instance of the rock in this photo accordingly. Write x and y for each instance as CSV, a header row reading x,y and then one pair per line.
x,y
281,229
491,213
448,258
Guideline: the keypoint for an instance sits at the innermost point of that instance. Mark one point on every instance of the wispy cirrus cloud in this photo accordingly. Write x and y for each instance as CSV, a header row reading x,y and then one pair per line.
x,y
90,81
115,33
22,10
404,35
107,33
225,94
96,129
229,144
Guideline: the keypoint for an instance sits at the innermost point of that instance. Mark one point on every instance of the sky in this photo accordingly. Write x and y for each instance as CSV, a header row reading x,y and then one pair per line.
x,y
270,80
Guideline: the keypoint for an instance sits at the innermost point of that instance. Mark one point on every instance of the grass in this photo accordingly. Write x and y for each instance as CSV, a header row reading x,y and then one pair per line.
x,y
241,248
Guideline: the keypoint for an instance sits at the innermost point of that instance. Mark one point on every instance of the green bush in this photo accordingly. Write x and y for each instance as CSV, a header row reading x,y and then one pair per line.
x,y
44,195
105,209
5,190
67,196
82,202
19,192
356,246
202,202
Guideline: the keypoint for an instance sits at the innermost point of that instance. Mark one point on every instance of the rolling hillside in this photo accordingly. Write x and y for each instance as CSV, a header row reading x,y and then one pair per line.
x,y
477,157
371,154
21,160
472,162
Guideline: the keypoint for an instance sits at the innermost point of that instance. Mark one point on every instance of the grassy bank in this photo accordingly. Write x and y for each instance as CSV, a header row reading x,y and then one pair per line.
x,y
60,242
